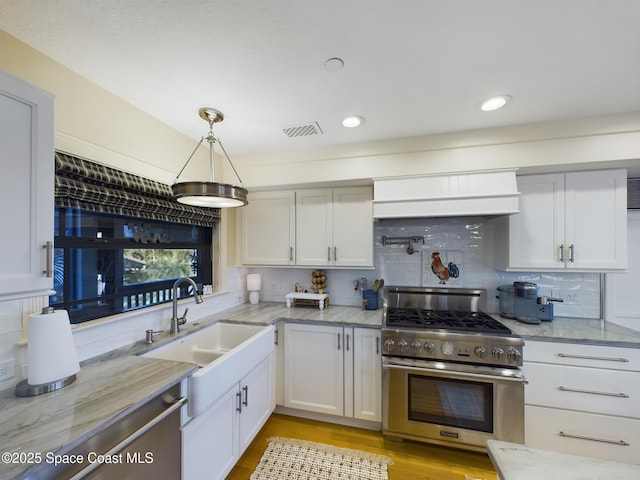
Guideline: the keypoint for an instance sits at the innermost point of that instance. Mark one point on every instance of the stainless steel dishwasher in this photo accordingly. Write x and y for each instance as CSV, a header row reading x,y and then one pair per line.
x,y
144,444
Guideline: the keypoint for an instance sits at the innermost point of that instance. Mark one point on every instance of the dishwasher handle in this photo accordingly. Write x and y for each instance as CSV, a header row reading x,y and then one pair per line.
x,y
175,405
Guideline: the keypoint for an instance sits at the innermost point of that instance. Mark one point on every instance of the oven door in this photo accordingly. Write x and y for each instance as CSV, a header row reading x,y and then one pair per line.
x,y
452,404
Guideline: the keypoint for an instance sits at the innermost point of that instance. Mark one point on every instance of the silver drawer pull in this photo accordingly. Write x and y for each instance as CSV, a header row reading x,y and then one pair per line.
x,y
590,357
593,392
622,443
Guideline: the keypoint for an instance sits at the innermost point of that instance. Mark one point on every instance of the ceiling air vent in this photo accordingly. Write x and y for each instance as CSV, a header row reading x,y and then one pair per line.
x,y
303,130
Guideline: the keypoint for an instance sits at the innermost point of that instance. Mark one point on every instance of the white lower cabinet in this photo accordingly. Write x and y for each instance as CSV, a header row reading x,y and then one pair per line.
x,y
333,370
214,441
583,400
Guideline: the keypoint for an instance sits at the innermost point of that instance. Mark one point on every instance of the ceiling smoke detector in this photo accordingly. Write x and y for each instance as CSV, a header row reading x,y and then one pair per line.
x,y
303,130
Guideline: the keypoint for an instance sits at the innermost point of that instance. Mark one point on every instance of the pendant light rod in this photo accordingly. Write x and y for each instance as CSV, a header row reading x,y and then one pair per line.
x,y
189,159
212,116
229,160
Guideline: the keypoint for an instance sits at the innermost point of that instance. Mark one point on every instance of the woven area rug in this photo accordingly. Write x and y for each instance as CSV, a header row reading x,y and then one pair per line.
x,y
292,459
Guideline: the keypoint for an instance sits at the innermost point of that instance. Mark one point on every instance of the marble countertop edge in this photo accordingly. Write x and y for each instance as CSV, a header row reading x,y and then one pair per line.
x,y
519,462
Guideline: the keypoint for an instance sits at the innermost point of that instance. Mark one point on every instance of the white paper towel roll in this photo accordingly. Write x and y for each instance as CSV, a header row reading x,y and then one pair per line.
x,y
51,351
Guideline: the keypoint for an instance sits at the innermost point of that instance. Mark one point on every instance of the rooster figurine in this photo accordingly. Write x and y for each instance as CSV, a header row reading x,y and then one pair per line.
x,y
442,272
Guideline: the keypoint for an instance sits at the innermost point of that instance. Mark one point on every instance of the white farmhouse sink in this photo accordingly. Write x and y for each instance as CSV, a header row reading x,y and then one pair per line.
x,y
225,352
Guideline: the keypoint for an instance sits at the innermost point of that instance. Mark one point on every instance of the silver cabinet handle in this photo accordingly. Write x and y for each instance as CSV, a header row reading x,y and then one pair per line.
x,y
291,254
239,398
561,252
346,342
245,390
593,392
275,337
328,254
590,357
622,443
335,254
48,271
377,345
572,250
133,437
338,341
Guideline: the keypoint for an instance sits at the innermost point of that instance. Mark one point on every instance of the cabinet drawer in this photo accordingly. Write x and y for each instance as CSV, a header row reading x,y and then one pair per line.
x,y
597,356
612,392
600,436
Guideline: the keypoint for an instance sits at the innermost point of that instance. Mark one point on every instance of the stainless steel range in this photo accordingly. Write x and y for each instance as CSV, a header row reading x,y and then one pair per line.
x,y
451,373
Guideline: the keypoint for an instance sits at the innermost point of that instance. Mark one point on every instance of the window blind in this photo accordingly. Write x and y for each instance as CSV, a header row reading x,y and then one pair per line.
x,y
86,185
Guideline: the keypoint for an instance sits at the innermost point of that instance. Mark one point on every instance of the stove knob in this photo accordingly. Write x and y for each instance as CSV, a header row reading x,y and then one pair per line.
x,y
513,356
480,351
447,348
429,347
402,345
389,344
497,353
415,346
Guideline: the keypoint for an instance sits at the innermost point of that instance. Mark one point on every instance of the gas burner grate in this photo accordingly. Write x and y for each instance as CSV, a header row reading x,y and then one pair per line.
x,y
472,322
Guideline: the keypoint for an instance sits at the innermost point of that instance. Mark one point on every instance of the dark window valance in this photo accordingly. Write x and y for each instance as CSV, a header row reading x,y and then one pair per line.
x,y
86,185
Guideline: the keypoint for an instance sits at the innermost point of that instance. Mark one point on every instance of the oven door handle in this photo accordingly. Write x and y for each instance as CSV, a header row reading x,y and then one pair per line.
x,y
481,376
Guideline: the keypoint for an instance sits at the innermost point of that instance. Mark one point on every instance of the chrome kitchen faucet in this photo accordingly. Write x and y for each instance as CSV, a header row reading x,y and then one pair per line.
x,y
175,320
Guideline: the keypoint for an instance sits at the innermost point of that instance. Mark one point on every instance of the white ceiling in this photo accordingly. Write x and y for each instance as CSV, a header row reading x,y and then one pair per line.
x,y
411,67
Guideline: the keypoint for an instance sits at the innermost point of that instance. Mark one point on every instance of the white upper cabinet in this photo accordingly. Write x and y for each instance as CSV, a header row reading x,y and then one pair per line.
x,y
314,227
269,229
571,221
26,183
335,227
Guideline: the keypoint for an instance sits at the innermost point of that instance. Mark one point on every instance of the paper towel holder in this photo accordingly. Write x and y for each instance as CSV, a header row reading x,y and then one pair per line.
x,y
25,389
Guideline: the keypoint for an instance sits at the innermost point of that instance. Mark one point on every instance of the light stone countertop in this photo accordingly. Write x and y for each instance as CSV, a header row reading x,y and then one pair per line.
x,y
267,313
576,330
517,462
104,392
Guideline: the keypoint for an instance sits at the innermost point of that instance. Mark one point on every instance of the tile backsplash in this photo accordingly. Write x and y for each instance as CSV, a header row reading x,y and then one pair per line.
x,y
466,242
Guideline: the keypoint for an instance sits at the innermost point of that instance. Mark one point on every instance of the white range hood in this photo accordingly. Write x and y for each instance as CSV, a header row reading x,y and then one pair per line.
x,y
481,193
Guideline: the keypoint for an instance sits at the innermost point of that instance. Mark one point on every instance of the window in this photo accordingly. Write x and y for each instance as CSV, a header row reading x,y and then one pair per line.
x,y
106,264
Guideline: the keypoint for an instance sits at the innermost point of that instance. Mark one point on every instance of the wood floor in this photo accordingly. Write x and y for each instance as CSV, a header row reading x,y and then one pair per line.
x,y
412,460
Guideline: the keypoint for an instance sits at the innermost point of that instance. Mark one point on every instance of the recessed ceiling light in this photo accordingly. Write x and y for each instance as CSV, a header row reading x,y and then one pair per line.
x,y
352,121
494,103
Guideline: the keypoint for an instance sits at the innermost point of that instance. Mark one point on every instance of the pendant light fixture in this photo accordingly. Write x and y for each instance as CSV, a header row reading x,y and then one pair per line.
x,y
210,194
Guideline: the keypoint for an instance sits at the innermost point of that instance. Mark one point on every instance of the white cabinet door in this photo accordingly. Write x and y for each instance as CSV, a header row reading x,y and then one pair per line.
x,y
537,232
596,220
353,227
367,374
27,163
572,221
314,227
268,236
210,441
256,402
314,368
